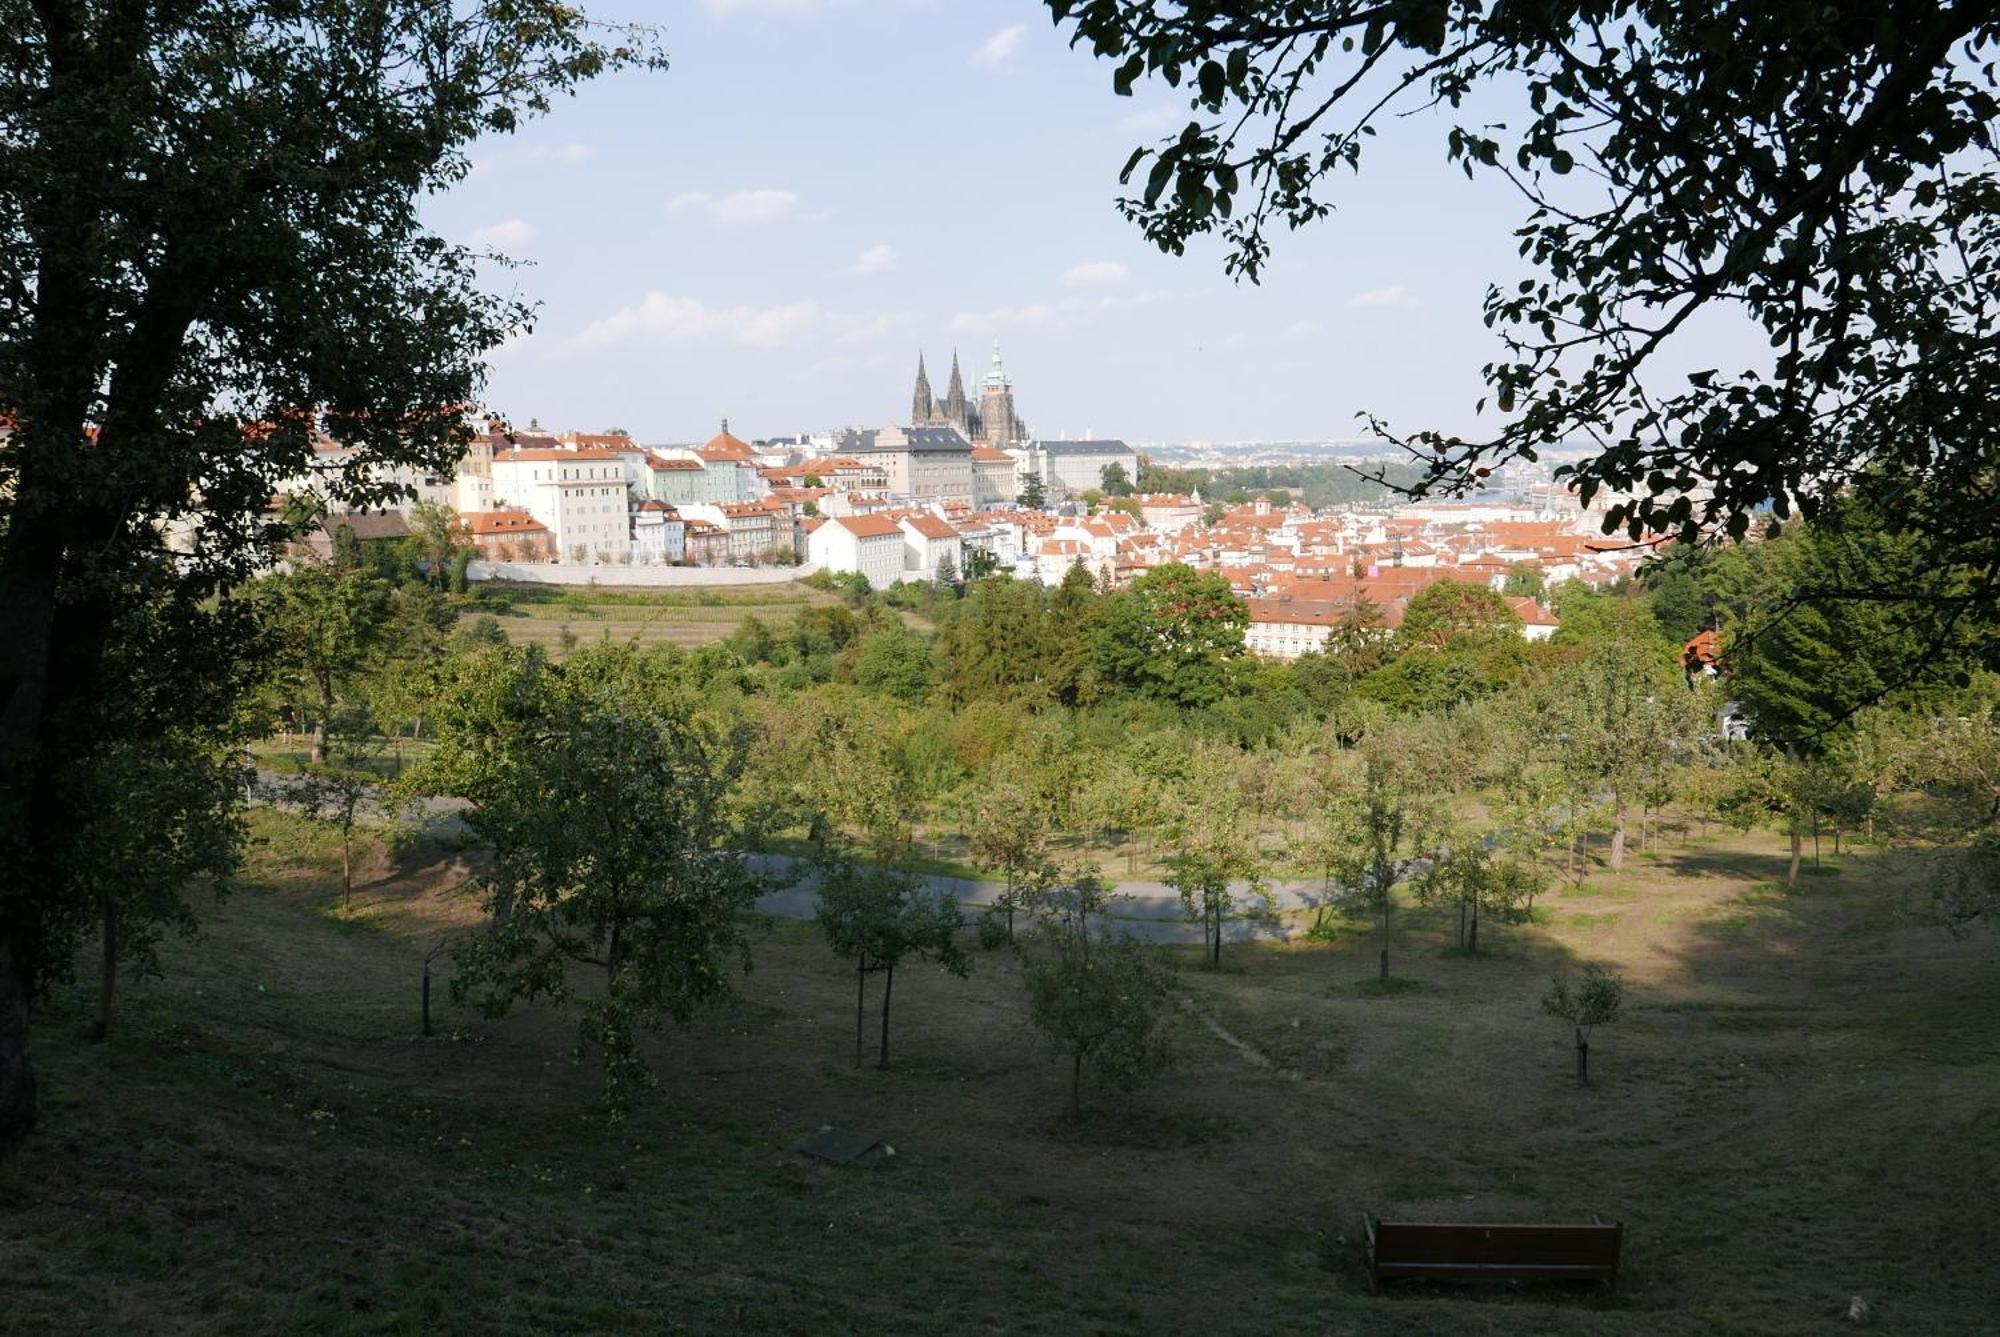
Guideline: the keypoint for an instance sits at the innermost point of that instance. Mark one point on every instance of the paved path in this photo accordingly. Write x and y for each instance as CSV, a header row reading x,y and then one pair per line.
x,y
1149,911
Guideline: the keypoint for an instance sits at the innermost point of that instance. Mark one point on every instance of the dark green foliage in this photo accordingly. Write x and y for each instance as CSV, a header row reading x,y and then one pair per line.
x,y
896,663
1824,173
212,251
1175,634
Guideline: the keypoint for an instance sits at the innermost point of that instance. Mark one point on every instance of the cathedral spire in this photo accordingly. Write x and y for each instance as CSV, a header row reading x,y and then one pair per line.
x,y
923,408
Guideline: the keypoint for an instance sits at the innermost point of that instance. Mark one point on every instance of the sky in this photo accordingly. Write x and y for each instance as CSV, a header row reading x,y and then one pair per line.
x,y
817,190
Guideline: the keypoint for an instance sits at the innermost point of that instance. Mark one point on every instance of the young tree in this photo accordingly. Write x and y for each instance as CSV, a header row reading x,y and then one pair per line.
x,y
1618,711
335,792
1098,1000
606,799
1215,856
1033,494
1591,1002
1380,842
1470,878
879,915
323,625
1013,836
440,542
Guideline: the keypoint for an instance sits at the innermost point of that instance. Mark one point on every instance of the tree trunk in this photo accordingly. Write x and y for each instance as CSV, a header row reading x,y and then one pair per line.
x,y
1472,938
17,1076
1582,1059
427,996
1798,852
107,981
860,1003
1076,1088
1461,923
318,755
1385,937
346,869
1618,839
888,987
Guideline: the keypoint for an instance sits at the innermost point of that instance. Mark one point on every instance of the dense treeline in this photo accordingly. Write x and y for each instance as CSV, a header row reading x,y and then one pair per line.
x,y
1316,485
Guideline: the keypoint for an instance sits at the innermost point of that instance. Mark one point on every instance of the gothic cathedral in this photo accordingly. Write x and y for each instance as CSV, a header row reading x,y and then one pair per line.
x,y
992,422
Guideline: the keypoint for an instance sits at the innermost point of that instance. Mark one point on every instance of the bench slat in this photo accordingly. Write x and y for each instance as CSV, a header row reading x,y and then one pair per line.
x,y
1495,1249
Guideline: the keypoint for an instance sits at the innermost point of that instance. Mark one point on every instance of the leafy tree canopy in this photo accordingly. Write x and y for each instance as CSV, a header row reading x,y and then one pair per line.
x,y
1823,171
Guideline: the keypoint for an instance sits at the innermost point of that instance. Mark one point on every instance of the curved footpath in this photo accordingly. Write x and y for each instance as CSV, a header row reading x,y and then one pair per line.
x,y
1149,911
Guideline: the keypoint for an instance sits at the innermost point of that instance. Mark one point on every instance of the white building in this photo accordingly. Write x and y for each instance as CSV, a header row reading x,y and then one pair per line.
x,y
659,535
929,541
873,545
578,495
1070,467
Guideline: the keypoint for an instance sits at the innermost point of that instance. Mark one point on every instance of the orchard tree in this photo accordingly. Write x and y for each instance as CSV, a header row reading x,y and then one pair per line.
x,y
1469,878
1013,836
149,804
322,627
1618,711
335,792
1585,1004
878,915
605,797
1215,864
1379,841
1099,1000
1825,173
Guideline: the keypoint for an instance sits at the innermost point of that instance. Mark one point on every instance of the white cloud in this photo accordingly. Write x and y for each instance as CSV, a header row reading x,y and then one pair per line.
x,y
1067,313
666,317
1395,297
874,260
1154,121
1096,274
743,206
512,235
1000,47
726,8
571,154
1301,329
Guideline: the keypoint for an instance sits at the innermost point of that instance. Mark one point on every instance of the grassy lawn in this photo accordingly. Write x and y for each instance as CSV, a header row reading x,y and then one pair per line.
x,y
687,617
1801,1105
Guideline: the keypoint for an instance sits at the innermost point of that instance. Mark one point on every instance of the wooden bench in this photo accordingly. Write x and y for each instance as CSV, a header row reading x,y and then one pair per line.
x,y
1399,1249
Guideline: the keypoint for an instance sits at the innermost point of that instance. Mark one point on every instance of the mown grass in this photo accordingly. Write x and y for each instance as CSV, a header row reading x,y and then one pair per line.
x,y
267,1144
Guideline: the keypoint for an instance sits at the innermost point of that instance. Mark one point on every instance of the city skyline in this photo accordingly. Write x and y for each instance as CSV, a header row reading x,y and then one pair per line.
x,y
767,231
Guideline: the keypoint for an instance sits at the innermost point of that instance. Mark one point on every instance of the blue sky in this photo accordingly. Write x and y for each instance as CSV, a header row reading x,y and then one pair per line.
x,y
817,189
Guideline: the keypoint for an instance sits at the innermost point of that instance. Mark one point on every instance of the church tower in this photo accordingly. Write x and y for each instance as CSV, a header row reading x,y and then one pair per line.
x,y
998,423
956,411
923,408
